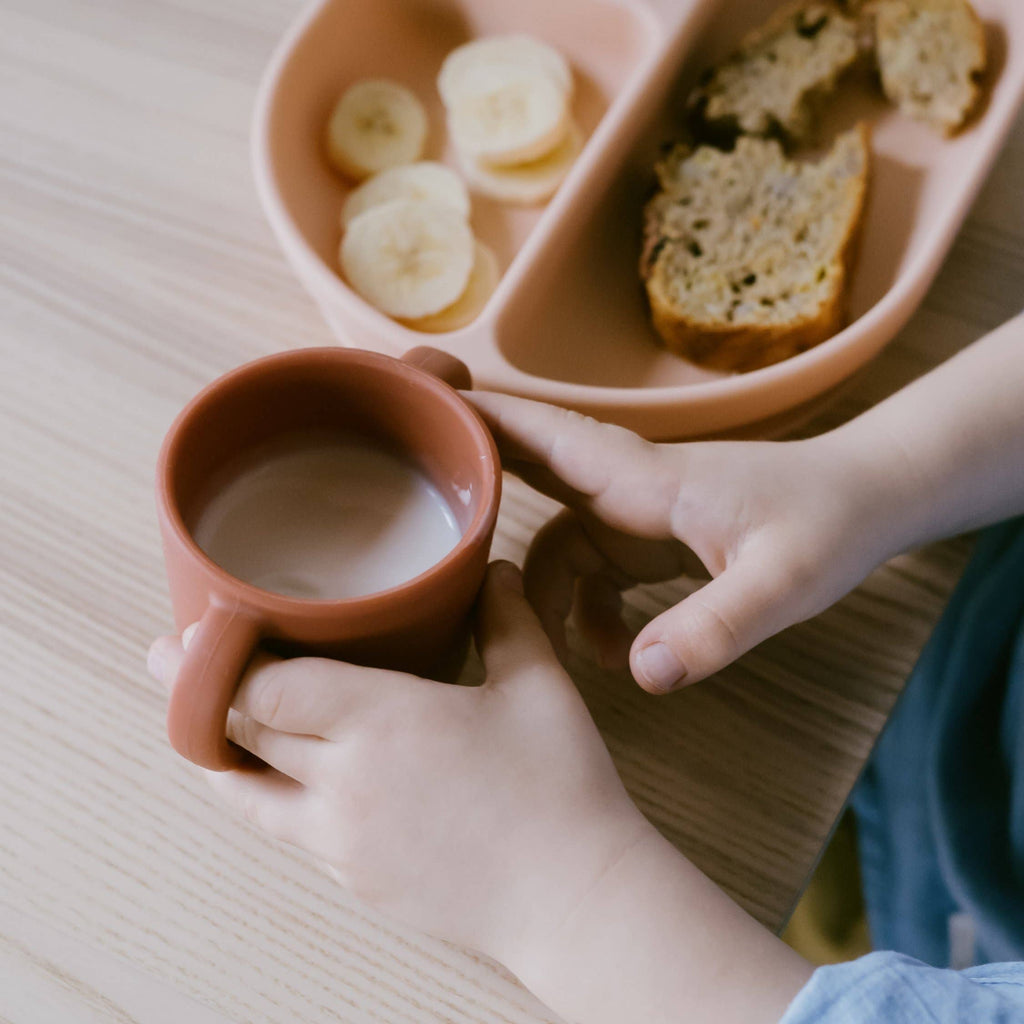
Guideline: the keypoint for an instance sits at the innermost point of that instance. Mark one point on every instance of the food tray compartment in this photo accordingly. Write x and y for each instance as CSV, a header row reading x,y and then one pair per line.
x,y
568,322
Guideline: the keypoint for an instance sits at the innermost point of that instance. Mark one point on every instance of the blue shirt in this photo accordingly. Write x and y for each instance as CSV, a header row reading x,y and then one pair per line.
x,y
940,815
889,988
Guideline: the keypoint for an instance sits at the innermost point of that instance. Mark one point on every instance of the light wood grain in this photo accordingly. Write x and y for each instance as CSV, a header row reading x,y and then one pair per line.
x,y
137,267
45,977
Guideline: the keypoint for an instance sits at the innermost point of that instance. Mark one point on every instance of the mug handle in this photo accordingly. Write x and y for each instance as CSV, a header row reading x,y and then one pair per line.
x,y
206,682
452,371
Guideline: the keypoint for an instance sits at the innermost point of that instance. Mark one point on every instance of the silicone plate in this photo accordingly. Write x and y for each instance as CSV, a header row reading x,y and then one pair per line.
x,y
568,323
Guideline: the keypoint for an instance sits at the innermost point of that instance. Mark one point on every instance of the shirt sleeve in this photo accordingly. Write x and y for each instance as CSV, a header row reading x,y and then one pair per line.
x,y
897,989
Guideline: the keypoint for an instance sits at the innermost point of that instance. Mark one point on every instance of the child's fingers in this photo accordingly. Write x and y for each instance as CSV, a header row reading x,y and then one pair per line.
x,y
599,620
274,803
542,479
559,555
163,659
509,637
311,696
523,429
166,653
620,473
305,696
583,566
298,757
711,628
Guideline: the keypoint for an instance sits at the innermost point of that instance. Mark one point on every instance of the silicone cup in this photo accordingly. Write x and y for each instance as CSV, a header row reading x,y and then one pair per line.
x,y
411,627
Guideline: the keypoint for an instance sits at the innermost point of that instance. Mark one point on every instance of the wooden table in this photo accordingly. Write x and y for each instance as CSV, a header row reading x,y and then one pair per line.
x,y
139,268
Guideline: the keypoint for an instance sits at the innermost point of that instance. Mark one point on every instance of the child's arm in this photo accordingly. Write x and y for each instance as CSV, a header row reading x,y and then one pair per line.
x,y
785,529
957,436
493,817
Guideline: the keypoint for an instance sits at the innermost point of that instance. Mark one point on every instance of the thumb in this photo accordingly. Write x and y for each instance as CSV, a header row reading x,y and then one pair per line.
x,y
711,628
509,635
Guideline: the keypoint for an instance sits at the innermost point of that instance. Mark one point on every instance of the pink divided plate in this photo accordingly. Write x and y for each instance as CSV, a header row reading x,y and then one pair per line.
x,y
568,323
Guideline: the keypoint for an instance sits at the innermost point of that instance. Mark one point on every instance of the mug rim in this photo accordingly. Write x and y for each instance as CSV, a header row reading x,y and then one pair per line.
x,y
478,530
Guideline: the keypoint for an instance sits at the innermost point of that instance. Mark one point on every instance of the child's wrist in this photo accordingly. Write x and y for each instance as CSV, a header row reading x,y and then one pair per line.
x,y
555,880
652,938
887,495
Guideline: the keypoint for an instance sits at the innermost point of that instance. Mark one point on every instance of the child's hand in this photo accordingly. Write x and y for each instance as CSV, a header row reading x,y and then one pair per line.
x,y
784,529
493,817
481,815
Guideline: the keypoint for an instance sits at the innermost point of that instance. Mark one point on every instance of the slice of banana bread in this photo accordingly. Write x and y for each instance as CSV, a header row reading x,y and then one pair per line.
x,y
747,253
931,55
780,72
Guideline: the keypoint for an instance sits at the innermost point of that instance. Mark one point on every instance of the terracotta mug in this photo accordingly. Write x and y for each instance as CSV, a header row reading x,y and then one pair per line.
x,y
411,403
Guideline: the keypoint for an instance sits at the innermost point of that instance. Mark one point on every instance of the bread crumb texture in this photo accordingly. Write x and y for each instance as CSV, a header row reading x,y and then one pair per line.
x,y
747,253
931,55
779,74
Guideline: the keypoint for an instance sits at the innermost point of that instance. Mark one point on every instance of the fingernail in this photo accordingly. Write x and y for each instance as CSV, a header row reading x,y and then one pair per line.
x,y
660,667
187,634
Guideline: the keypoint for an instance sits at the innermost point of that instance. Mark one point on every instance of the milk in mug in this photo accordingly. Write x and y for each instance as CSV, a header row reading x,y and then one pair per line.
x,y
325,516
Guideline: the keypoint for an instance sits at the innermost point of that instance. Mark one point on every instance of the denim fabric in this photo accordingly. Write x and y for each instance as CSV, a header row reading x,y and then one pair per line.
x,y
889,988
940,809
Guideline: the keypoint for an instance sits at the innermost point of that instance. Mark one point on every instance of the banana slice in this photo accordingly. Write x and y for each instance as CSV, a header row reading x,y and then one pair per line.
x,y
408,258
516,49
483,279
529,183
508,114
425,180
376,124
